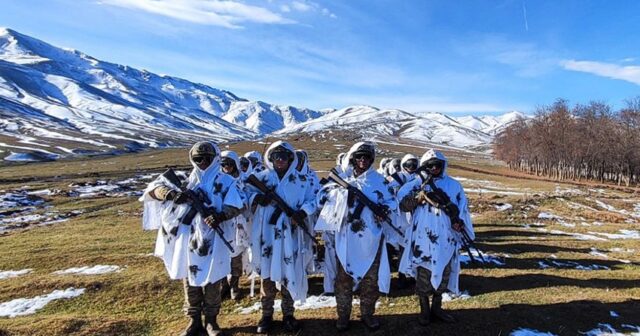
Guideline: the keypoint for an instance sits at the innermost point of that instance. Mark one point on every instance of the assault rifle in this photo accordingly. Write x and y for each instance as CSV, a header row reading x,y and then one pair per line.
x,y
439,199
377,209
281,204
196,204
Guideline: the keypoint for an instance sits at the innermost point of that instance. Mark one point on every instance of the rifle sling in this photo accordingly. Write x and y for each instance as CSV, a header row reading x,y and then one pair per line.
x,y
273,220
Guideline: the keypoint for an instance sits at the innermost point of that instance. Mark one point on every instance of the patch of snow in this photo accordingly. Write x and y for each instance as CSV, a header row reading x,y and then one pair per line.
x,y
452,296
579,236
311,302
571,264
613,314
13,274
604,329
547,215
20,307
86,270
489,259
503,207
624,234
529,332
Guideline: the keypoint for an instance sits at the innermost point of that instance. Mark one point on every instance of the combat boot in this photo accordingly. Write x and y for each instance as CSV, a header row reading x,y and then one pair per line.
x,y
438,313
265,325
424,318
371,322
234,288
342,324
195,326
290,324
211,326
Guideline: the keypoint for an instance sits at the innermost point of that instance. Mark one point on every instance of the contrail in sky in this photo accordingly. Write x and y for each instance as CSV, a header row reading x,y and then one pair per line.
x,y
524,13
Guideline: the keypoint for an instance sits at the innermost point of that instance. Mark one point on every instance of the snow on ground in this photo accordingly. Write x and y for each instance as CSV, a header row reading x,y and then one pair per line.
x,y
19,198
489,258
579,236
529,332
132,186
19,220
624,234
321,301
547,215
605,329
503,207
570,264
86,270
451,296
613,314
13,274
19,307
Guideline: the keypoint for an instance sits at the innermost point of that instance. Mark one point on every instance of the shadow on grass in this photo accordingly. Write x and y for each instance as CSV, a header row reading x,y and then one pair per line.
x,y
531,248
570,318
486,284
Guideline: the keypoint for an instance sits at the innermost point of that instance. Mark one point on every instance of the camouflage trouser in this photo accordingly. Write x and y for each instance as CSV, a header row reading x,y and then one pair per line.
x,y
236,271
199,300
268,292
423,281
369,292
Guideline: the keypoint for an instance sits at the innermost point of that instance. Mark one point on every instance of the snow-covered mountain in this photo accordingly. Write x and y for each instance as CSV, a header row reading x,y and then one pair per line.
x,y
49,94
56,102
434,128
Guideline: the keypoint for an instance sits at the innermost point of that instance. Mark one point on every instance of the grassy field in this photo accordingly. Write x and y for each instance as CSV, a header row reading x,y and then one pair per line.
x,y
564,275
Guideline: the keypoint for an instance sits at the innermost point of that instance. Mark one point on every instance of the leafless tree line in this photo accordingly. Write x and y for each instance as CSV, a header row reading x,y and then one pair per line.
x,y
590,141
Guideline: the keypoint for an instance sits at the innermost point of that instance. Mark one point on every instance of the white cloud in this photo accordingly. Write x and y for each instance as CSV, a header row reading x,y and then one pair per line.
x,y
301,6
310,6
227,13
528,59
285,9
629,73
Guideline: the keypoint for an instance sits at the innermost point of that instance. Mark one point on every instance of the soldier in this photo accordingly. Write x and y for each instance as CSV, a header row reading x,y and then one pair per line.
x,y
339,162
432,256
359,239
191,247
256,161
382,169
279,247
230,164
245,166
395,243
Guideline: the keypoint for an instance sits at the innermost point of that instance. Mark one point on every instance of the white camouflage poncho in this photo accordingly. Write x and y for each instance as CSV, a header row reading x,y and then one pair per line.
x,y
193,251
279,252
357,240
432,241
240,222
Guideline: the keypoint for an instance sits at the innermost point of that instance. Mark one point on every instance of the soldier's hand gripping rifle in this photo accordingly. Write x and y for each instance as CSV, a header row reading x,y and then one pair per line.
x,y
281,204
439,199
197,204
377,209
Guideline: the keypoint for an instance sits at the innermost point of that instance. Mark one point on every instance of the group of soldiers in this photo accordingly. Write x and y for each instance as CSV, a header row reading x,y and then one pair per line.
x,y
239,214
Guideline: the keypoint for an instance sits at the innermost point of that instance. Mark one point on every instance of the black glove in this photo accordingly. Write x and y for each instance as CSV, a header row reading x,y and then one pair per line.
x,y
215,219
262,199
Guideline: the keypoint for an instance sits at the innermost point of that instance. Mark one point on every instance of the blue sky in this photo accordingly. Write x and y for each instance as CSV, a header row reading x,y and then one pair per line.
x,y
457,57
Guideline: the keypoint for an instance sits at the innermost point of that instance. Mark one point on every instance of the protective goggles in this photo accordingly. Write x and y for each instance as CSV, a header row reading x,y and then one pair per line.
x,y
434,164
283,156
244,163
201,159
227,162
362,156
410,164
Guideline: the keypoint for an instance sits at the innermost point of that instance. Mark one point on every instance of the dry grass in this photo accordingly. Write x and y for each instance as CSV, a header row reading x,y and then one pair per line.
x,y
141,300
